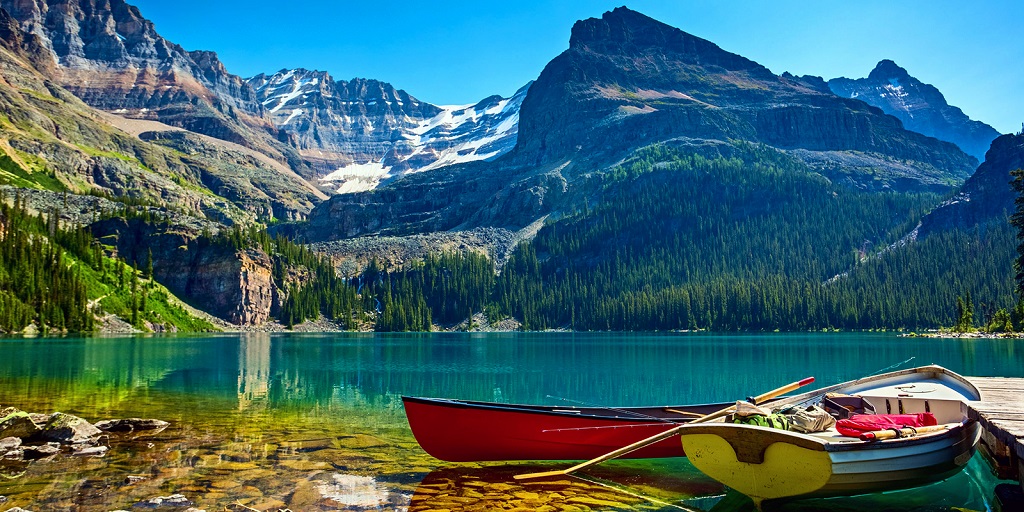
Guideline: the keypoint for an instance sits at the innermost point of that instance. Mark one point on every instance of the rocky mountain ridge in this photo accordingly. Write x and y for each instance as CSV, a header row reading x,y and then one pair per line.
x,y
920,106
108,55
360,132
628,81
986,196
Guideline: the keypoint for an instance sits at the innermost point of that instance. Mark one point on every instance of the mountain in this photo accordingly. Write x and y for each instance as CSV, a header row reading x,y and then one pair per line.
x,y
145,190
113,58
360,132
986,196
920,106
108,55
628,81
49,139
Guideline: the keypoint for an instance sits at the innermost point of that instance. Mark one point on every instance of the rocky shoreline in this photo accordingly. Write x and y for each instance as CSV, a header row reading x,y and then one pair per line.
x,y
28,438
967,335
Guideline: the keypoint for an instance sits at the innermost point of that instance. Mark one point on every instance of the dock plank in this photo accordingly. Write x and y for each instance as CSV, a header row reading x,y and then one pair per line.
x,y
1001,410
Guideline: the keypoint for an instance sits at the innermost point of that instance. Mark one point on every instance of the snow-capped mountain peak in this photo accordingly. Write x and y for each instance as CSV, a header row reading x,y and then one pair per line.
x,y
360,133
920,106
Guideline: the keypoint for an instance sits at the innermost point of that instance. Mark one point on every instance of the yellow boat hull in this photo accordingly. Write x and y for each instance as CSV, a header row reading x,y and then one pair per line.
x,y
768,464
787,470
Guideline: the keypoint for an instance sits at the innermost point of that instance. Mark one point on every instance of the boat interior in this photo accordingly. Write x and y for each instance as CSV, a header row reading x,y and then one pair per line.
x,y
941,395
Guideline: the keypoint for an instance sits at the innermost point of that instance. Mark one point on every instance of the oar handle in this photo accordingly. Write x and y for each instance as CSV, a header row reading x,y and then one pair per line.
x,y
879,435
781,391
664,435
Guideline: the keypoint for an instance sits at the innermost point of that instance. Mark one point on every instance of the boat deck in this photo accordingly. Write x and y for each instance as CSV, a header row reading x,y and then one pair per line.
x,y
1001,414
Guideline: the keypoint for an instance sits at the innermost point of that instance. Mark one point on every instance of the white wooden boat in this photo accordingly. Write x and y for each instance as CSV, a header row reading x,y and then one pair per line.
x,y
771,464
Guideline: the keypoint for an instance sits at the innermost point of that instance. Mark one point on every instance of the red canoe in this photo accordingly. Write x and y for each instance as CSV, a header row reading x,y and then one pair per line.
x,y
464,431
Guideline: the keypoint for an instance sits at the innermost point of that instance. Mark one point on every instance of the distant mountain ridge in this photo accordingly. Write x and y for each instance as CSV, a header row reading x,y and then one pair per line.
x,y
920,106
359,132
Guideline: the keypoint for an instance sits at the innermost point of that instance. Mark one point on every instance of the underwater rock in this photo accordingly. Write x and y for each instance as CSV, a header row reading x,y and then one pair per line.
x,y
9,443
174,501
130,425
353,491
66,428
90,451
45,451
361,441
14,454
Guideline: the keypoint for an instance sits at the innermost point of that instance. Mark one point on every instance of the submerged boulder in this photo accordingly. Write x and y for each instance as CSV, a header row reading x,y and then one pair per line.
x,y
130,425
66,428
46,451
10,449
164,503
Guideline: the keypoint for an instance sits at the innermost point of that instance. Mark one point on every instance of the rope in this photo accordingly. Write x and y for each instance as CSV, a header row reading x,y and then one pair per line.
x,y
816,398
897,365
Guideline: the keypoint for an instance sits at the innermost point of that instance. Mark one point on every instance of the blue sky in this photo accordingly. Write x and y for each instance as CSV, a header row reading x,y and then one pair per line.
x,y
456,52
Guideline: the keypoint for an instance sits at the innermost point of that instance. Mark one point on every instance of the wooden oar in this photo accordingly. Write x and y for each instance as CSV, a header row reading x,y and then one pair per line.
x,y
666,434
878,435
684,413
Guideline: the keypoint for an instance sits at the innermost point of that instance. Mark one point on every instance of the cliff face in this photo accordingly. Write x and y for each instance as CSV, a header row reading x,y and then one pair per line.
x,y
920,106
628,81
108,55
113,58
986,196
235,285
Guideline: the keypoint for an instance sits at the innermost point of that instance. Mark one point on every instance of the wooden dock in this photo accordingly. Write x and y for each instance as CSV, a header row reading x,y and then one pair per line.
x,y
1001,414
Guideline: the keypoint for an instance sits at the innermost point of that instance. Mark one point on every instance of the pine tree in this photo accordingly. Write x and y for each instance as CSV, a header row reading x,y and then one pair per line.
x,y
1017,221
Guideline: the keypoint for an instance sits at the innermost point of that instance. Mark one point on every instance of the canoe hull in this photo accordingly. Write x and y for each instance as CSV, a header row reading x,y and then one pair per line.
x,y
461,431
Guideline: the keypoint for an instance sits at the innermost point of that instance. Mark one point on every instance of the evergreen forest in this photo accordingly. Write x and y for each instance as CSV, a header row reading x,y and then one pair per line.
x,y
668,240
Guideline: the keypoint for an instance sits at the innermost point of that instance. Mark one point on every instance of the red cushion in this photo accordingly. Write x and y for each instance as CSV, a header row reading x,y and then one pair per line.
x,y
860,423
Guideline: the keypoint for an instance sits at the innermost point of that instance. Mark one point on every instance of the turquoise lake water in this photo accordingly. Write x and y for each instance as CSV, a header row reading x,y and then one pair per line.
x,y
315,422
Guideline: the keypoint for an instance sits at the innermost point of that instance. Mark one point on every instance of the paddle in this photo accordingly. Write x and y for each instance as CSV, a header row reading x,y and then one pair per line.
x,y
666,434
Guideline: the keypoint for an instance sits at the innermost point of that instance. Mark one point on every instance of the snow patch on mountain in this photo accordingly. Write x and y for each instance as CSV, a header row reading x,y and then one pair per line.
x,y
362,133
446,129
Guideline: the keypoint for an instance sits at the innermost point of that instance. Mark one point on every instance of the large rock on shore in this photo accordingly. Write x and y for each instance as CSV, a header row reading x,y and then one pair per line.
x,y
66,428
18,424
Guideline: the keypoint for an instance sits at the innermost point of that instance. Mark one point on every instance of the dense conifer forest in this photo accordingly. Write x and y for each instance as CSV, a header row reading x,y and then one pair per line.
x,y
60,279
670,240
749,242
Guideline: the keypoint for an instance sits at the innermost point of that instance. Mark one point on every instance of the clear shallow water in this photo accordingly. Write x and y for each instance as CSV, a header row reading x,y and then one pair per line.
x,y
314,421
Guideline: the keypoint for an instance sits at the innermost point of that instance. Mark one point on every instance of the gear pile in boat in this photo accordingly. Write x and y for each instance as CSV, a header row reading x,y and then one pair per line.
x,y
850,415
